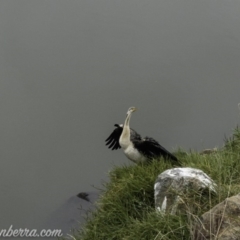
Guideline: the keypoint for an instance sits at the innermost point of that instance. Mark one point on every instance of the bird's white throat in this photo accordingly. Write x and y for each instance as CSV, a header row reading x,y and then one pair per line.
x,y
124,140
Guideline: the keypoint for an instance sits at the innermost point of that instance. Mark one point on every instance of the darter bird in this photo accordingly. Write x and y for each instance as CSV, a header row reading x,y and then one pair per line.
x,y
136,148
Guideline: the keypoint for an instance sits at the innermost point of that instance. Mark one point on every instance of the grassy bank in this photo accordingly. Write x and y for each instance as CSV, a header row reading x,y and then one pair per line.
x,y
126,207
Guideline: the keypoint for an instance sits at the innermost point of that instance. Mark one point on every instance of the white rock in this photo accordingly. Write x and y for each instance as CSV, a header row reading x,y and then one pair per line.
x,y
174,182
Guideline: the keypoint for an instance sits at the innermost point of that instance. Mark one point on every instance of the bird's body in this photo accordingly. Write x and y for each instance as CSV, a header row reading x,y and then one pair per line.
x,y
132,153
136,148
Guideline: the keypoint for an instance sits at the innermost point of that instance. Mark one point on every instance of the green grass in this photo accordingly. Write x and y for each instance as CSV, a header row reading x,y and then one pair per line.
x,y
126,206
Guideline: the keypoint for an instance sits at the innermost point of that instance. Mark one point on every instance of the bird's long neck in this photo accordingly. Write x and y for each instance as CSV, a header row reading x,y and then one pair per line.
x,y
125,137
127,121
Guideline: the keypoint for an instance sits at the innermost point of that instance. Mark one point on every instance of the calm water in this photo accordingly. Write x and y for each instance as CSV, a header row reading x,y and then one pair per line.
x,y
70,70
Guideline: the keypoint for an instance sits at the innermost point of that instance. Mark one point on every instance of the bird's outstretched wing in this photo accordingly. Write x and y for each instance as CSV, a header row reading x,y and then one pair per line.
x,y
152,149
113,139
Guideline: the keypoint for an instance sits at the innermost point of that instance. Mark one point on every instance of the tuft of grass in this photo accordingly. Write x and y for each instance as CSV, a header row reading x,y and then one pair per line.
x,y
125,210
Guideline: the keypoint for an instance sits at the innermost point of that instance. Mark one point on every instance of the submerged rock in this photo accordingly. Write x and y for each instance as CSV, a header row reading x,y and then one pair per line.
x,y
72,214
173,183
84,195
222,222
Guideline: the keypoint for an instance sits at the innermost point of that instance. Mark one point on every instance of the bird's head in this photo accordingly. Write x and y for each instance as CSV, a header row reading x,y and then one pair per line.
x,y
131,110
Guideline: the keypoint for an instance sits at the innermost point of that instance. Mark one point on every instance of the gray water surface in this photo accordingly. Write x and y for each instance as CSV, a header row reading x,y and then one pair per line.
x,y
69,70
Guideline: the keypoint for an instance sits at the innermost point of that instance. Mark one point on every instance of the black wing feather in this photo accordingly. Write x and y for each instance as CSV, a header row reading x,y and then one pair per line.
x,y
113,139
152,149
